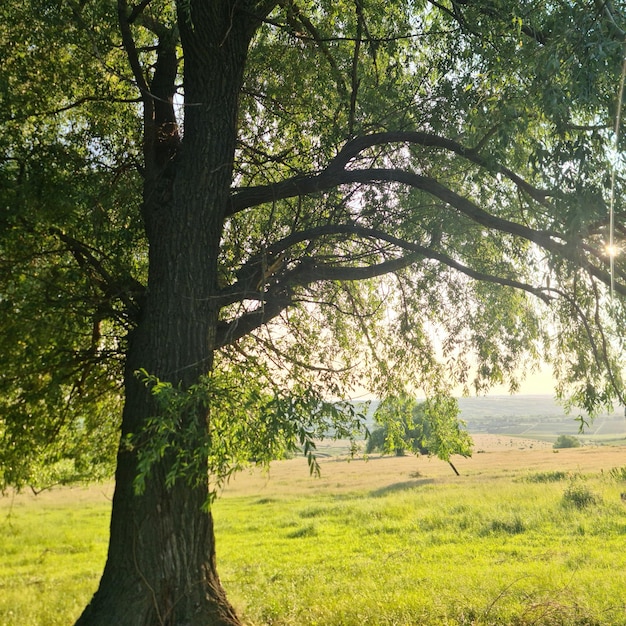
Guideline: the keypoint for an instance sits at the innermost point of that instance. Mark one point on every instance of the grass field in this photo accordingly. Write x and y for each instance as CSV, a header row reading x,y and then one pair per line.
x,y
524,536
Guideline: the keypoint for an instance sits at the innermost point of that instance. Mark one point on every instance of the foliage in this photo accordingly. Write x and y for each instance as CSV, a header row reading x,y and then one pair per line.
x,y
246,425
52,547
70,242
618,473
566,441
500,119
377,441
547,477
579,495
431,427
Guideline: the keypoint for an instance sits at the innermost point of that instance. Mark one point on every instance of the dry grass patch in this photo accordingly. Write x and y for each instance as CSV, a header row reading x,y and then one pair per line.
x,y
340,475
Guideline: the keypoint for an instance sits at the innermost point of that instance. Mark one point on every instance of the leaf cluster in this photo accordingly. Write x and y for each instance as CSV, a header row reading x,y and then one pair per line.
x,y
431,427
220,426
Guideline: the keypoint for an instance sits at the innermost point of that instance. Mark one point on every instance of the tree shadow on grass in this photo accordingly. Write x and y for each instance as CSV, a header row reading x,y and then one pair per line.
x,y
403,486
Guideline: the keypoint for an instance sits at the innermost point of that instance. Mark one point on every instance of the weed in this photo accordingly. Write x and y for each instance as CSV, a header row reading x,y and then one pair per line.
x,y
513,526
314,511
266,500
618,474
580,496
304,531
547,477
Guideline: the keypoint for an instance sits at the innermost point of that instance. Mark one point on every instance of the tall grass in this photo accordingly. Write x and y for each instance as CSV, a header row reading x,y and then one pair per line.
x,y
52,552
477,550
488,552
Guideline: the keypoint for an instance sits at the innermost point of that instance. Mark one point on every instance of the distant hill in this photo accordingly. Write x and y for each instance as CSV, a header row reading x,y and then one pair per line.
x,y
511,406
534,417
539,417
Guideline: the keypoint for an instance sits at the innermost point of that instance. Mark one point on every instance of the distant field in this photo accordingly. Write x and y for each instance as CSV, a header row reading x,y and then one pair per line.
x,y
503,458
539,417
391,540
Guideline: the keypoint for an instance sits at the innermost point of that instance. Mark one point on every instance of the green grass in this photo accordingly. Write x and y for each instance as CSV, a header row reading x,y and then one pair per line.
x,y
479,550
51,556
481,553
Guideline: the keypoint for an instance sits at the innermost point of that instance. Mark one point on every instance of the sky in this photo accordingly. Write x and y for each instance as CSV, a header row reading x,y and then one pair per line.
x,y
538,383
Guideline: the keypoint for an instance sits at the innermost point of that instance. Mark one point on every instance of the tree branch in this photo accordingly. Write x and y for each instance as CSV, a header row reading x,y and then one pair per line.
x,y
309,271
297,18
131,51
364,40
129,292
331,176
355,81
230,332
539,36
335,175
137,10
74,105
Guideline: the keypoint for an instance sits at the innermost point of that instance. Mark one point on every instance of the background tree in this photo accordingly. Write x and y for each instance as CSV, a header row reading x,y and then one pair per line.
x,y
566,441
431,427
229,213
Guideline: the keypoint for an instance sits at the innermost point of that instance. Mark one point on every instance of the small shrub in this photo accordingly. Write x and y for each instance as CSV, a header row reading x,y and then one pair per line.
x,y
580,496
566,441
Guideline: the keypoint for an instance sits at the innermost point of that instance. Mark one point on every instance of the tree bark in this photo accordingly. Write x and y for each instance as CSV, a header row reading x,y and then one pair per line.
x,y
160,568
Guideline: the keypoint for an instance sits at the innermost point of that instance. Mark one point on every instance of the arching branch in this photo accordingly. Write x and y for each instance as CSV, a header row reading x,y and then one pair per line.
x,y
282,294
310,271
335,172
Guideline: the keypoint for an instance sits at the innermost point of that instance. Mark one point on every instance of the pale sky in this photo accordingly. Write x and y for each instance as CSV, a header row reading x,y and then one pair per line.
x,y
539,383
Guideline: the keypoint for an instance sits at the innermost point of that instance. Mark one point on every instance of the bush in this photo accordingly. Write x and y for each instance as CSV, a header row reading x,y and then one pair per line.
x,y
377,442
580,496
566,441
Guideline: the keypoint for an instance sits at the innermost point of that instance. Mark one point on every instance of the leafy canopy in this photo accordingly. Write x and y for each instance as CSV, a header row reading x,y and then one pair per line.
x,y
420,199
431,427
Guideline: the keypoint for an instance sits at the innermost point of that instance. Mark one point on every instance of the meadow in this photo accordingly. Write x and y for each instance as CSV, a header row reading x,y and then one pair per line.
x,y
524,536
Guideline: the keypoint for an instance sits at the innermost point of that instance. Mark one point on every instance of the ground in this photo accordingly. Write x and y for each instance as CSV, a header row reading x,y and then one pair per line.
x,y
493,454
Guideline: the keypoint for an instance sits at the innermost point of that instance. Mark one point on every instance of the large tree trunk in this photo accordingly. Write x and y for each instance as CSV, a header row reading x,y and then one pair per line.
x,y
161,561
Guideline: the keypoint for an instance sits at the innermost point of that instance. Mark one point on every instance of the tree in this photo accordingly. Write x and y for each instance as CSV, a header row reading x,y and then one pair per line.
x,y
230,213
431,427
566,441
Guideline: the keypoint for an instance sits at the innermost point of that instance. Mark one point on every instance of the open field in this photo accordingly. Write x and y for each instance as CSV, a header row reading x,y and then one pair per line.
x,y
384,541
496,457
